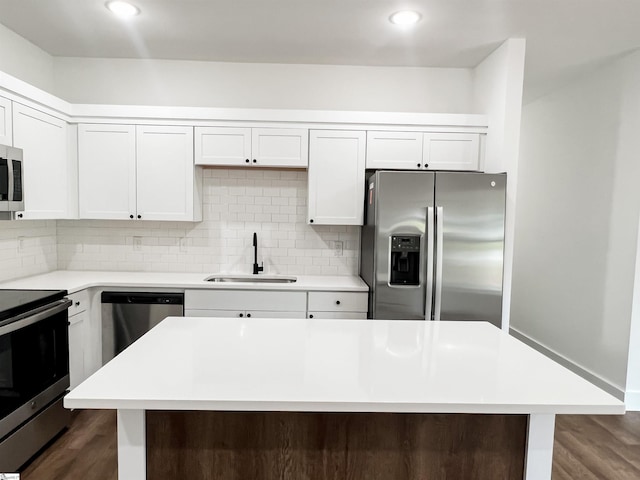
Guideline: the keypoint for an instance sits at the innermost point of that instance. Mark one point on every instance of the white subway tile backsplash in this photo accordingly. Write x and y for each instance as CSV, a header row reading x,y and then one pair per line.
x,y
237,202
27,247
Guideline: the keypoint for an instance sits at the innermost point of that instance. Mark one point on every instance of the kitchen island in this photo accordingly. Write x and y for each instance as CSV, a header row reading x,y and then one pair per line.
x,y
318,399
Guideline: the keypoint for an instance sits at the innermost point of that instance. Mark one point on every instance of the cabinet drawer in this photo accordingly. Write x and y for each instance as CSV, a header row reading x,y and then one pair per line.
x,y
340,315
243,300
80,302
338,302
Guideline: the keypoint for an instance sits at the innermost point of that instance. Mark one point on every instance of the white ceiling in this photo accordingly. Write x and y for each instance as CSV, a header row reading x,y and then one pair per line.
x,y
564,37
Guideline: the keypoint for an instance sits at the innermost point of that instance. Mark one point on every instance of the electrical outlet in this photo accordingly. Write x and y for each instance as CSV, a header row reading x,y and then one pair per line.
x,y
137,244
337,248
182,245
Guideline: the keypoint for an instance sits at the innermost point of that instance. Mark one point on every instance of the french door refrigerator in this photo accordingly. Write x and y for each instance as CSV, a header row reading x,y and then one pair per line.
x,y
432,245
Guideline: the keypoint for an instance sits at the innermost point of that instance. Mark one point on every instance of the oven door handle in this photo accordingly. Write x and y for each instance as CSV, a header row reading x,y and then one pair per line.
x,y
36,316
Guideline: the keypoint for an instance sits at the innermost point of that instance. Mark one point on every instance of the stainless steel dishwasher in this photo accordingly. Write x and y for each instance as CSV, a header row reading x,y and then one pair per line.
x,y
126,316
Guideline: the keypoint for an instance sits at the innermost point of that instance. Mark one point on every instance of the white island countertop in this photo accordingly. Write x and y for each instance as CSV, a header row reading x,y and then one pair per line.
x,y
74,281
336,366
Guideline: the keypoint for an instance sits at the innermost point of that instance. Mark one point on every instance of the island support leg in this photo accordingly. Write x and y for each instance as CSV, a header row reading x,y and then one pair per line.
x,y
132,448
539,456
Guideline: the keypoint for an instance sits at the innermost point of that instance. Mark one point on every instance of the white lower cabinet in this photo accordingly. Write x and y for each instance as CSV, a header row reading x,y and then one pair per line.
x,y
244,313
245,303
275,304
336,177
79,338
349,305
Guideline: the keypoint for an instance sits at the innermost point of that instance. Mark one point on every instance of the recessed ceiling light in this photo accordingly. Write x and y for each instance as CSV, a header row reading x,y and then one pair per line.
x,y
405,18
123,9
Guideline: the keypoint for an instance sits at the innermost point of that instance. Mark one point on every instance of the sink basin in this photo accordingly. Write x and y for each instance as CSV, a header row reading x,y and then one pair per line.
x,y
250,279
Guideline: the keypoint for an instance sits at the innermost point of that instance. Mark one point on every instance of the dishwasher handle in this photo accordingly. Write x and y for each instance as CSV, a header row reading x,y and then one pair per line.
x,y
143,298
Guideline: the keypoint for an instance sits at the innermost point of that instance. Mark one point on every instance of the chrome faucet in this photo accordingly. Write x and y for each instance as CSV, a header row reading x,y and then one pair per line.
x,y
256,269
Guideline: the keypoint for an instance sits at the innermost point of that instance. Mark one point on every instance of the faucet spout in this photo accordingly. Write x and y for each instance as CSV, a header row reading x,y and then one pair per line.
x,y
256,268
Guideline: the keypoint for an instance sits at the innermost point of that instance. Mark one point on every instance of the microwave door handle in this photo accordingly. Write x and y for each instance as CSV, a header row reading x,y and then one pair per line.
x,y
10,175
429,265
439,243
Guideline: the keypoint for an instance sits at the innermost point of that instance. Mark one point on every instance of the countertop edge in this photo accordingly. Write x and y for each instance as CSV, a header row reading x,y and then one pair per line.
x,y
348,407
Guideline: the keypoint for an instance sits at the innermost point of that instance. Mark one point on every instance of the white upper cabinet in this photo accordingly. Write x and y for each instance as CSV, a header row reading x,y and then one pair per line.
x,y
394,150
107,171
423,150
48,167
166,174
280,147
451,151
336,177
262,147
6,136
142,173
223,146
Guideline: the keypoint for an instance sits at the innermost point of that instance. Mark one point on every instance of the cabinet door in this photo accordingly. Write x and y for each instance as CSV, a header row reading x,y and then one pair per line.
x,y
107,171
451,151
400,150
77,325
165,173
47,165
336,177
223,146
6,135
280,147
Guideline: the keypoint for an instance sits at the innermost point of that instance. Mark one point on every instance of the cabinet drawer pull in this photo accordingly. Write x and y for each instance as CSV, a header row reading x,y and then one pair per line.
x,y
311,316
77,304
255,161
241,315
246,160
337,302
130,216
248,315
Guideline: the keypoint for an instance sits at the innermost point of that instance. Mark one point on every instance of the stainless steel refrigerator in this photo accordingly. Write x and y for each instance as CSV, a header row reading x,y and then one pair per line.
x,y
432,245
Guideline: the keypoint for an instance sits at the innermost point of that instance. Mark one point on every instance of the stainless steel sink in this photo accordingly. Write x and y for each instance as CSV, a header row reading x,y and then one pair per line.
x,y
250,279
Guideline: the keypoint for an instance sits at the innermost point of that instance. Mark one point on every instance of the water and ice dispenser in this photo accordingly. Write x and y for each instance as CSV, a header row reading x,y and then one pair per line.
x,y
405,260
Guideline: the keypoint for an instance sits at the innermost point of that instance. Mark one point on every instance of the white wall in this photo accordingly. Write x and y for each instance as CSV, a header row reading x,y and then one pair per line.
x,y
27,248
237,202
577,221
22,59
497,92
255,85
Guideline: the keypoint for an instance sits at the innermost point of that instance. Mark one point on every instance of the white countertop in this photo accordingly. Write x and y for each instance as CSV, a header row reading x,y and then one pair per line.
x,y
336,366
74,281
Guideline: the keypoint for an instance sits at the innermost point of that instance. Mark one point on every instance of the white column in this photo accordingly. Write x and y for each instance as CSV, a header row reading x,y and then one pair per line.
x,y
539,455
132,447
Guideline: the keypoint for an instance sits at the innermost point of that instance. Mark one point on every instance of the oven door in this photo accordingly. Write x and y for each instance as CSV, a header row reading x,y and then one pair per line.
x,y
34,363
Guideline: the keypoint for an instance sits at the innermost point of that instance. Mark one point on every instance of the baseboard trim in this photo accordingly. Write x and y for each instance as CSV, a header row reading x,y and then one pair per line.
x,y
588,375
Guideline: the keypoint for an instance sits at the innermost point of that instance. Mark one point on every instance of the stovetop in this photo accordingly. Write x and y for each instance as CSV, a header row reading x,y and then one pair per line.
x,y
15,302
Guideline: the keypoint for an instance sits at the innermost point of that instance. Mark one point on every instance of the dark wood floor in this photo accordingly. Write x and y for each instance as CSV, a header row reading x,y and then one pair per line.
x,y
586,447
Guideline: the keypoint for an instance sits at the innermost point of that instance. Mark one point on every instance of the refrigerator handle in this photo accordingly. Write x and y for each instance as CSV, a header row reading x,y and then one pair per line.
x,y
438,269
429,265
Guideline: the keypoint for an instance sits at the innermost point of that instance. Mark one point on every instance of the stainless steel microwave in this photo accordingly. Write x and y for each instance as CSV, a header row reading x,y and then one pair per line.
x,y
11,181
